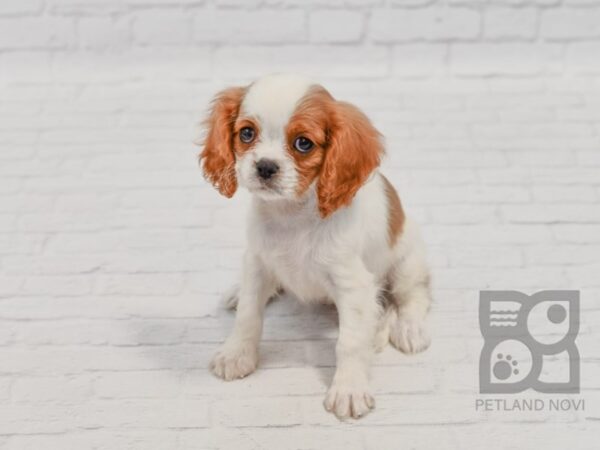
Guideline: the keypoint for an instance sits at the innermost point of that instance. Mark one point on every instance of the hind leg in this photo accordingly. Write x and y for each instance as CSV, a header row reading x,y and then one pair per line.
x,y
410,295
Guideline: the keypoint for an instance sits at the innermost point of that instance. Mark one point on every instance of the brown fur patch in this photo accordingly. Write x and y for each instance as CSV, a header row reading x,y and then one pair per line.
x,y
311,120
217,157
395,212
240,147
354,151
347,148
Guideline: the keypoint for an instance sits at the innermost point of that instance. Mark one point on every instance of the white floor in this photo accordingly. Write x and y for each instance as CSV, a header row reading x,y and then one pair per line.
x,y
114,250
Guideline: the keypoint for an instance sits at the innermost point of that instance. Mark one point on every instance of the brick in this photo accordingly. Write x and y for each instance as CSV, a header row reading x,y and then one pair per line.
x,y
410,3
562,255
395,25
56,285
147,413
462,214
151,263
326,61
137,384
419,409
531,278
49,265
419,59
99,332
165,2
537,159
51,389
335,26
570,23
510,23
584,233
7,222
284,438
64,243
475,256
412,437
36,32
79,7
264,382
276,411
102,32
590,158
436,159
411,380
140,284
586,276
484,234
467,194
534,434
501,59
100,439
151,63
59,359
35,418
21,7
11,244
5,385
550,214
244,27
564,175
581,57
161,27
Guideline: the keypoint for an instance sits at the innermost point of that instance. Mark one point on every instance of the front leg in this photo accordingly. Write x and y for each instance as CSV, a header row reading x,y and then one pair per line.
x,y
238,356
356,300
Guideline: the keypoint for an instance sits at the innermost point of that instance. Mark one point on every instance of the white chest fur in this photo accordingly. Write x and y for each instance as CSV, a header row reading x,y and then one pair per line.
x,y
302,250
295,250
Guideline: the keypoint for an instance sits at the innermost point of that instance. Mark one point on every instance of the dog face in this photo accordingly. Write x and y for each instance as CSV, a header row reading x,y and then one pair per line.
x,y
281,135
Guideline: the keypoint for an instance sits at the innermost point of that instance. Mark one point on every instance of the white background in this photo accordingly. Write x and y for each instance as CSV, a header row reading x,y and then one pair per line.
x,y
113,249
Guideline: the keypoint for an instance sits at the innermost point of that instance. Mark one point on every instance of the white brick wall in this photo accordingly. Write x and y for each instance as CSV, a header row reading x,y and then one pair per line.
x,y
113,249
465,37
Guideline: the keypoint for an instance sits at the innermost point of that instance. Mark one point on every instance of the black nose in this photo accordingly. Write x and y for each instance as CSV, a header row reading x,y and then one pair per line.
x,y
266,168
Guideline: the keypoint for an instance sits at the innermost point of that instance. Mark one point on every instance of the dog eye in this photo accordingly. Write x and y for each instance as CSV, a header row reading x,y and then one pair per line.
x,y
247,135
303,145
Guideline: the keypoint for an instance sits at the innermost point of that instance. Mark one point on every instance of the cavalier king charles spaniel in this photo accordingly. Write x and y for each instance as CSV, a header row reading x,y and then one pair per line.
x,y
324,225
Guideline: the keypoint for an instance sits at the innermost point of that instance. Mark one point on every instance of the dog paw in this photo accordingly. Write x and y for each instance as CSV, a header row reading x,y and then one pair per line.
x,y
234,361
349,400
409,335
230,297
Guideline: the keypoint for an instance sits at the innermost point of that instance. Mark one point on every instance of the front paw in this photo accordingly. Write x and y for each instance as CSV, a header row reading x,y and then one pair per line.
x,y
349,400
409,335
234,360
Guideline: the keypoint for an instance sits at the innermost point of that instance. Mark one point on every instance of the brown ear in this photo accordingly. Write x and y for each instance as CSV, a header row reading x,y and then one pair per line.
x,y
354,151
217,157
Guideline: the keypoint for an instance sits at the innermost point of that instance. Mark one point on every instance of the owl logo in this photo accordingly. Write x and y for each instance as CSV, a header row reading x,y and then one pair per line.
x,y
529,342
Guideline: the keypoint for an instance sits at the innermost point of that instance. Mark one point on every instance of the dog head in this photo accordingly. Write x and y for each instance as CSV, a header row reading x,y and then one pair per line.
x,y
283,134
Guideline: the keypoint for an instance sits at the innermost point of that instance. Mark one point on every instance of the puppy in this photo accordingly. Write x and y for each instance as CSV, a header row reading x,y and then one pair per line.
x,y
324,224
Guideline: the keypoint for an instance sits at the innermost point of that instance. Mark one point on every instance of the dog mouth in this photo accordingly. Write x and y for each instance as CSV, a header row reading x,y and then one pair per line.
x,y
268,189
270,185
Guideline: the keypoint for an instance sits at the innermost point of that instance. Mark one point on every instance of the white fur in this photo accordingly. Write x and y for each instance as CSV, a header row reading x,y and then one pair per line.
x,y
345,259
272,101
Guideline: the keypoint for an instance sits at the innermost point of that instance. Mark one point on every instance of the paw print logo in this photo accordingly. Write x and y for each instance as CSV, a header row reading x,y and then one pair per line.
x,y
509,363
505,367
522,331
